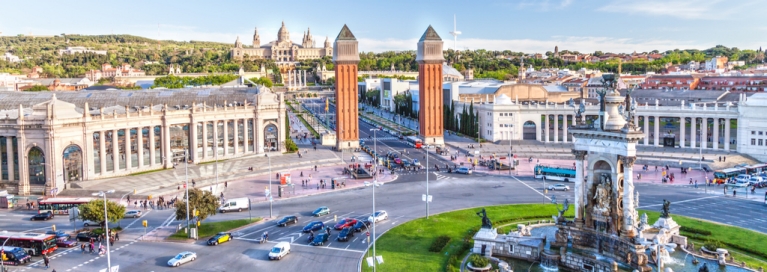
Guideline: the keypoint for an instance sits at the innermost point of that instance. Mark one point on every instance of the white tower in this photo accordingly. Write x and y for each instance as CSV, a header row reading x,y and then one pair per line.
x,y
455,34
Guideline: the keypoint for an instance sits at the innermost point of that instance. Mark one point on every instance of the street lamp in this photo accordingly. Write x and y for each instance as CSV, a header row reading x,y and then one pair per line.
x,y
426,151
270,184
375,184
106,224
186,186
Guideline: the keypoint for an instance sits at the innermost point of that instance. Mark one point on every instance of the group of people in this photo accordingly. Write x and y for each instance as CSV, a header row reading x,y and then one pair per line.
x,y
99,239
146,204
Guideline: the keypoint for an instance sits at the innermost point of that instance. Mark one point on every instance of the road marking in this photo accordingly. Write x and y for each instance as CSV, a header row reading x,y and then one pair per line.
x,y
531,188
137,219
36,229
677,202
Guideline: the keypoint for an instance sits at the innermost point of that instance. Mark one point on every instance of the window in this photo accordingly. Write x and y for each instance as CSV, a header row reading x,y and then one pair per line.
x,y
753,132
761,142
753,141
760,132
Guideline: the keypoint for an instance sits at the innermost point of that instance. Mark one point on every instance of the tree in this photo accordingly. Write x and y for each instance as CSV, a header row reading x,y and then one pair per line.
x,y
37,88
202,201
94,211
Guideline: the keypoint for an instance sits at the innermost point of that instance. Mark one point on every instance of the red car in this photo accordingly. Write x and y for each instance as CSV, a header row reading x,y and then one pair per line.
x,y
347,222
65,242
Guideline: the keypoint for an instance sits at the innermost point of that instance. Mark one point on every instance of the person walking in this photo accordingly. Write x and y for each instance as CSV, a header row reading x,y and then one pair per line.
x,y
117,236
90,247
46,260
82,248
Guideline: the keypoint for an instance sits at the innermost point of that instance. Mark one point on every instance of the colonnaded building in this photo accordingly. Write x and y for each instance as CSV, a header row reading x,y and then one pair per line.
x,y
49,139
283,49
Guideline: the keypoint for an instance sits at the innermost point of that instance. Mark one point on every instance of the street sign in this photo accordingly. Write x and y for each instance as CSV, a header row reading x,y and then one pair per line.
x,y
266,192
379,258
423,197
476,152
369,260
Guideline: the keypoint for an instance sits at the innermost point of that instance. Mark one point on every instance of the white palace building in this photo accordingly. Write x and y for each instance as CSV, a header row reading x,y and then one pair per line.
x,y
49,139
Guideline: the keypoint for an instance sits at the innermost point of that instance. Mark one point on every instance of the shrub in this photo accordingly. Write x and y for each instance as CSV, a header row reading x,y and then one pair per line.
x,y
695,231
477,260
439,243
712,245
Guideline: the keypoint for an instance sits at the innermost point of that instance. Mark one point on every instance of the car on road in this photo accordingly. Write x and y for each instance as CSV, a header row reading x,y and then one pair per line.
x,y
313,226
279,250
88,223
559,187
132,213
378,216
59,234
321,211
463,170
346,222
42,216
345,234
15,255
397,160
406,163
320,239
360,225
416,162
290,219
65,242
182,258
235,204
221,237
86,236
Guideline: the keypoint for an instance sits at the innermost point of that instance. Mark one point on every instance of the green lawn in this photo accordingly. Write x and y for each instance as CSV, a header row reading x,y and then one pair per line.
x,y
211,228
406,247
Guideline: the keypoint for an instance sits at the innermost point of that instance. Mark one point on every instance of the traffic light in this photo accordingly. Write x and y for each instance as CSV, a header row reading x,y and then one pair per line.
x,y
143,223
198,223
196,212
53,227
3,255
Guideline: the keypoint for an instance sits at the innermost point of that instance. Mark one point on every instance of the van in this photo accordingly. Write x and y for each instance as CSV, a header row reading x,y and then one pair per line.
x,y
742,178
279,250
14,255
234,204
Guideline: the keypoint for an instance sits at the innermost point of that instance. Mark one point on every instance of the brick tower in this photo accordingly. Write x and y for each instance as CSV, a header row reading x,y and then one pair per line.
x,y
345,58
430,102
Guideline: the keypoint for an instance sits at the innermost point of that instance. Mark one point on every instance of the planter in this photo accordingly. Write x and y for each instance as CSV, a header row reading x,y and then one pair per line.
x,y
488,267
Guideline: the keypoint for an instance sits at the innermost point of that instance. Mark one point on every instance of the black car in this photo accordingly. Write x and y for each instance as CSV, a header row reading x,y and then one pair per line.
x,y
290,219
314,226
42,216
320,239
345,234
86,236
361,225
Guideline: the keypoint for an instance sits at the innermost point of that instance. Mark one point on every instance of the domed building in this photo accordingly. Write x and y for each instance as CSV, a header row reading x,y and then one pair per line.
x,y
283,50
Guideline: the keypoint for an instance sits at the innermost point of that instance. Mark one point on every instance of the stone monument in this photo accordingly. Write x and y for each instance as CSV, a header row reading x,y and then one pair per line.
x,y
485,239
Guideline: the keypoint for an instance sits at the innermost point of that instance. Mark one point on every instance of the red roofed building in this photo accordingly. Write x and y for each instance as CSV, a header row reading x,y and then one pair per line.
x,y
125,70
734,83
672,82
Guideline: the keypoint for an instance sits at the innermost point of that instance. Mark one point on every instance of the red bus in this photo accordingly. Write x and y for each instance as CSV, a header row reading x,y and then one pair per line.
x,y
60,205
34,244
414,141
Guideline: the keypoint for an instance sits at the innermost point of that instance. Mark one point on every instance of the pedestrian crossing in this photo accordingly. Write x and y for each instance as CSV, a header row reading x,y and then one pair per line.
x,y
421,172
389,138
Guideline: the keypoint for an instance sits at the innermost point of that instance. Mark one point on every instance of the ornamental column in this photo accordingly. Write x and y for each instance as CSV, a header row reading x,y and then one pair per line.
x,y
682,131
236,136
128,160
693,130
564,128
430,58
657,131
580,156
727,134
715,140
9,156
556,128
226,137
629,214
345,58
546,128
205,140
115,151
152,144
646,130
215,138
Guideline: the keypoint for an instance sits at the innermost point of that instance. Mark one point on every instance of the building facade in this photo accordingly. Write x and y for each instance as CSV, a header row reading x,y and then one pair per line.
x,y
283,49
48,140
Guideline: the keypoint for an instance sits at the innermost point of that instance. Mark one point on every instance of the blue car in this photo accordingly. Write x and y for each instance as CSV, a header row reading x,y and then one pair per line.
x,y
321,211
314,226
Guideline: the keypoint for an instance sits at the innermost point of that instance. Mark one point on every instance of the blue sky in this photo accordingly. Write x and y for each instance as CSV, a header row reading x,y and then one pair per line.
x,y
518,25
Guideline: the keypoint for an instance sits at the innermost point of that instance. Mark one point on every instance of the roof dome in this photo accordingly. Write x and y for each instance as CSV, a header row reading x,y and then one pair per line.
x,y
283,34
502,100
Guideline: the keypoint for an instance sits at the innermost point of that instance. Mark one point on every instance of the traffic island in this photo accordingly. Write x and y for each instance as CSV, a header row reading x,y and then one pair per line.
x,y
208,229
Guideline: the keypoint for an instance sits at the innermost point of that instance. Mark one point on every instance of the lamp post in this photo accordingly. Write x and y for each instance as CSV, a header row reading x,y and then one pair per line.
x,y
270,184
426,151
700,149
2,264
375,183
186,187
121,201
106,224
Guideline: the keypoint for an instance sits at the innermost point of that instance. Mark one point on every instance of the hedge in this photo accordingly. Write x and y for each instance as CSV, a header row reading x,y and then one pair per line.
x,y
694,230
439,243
478,261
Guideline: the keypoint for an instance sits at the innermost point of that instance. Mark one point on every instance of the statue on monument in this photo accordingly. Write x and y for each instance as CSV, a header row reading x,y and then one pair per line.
x,y
565,207
664,212
486,224
602,195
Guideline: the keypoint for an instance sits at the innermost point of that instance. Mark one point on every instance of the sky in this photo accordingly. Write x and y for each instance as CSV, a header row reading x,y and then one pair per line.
x,y
531,26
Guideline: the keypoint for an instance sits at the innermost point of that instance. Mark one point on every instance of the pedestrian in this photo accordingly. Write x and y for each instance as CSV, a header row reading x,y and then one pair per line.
x,y
46,260
724,158
135,204
90,247
117,236
82,248
111,241
734,192
128,200
226,184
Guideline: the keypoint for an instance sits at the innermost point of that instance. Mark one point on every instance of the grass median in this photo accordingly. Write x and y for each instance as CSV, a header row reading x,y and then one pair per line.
x,y
210,228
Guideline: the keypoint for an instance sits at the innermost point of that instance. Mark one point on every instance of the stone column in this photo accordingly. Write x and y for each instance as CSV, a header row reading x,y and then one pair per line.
x,y
128,160
556,128
704,132
205,140
9,156
657,131
682,131
115,151
580,156
226,137
152,143
236,135
193,141
166,145
102,152
715,138
546,128
693,131
727,134
646,130
23,164
140,146
215,139
538,128
628,197
564,128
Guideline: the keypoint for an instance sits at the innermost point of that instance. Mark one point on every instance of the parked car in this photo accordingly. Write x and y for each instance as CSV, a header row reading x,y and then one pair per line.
x,y
182,258
320,239
42,216
345,234
346,222
221,237
360,225
279,250
559,187
290,219
132,213
463,170
378,216
313,226
235,204
321,211
742,178
86,236
755,180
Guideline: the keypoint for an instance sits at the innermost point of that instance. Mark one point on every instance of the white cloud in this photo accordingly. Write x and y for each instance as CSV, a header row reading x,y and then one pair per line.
x,y
545,5
684,9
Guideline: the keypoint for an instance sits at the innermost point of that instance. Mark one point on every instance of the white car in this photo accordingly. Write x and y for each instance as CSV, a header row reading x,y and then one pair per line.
x,y
463,170
559,187
379,216
279,250
182,258
133,213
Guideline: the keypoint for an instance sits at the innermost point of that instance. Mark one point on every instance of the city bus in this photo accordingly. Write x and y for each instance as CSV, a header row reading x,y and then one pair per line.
x,y
34,244
414,141
721,176
60,205
756,169
566,174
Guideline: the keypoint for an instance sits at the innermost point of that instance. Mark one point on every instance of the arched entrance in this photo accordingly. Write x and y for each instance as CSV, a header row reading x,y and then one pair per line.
x,y
36,163
528,131
270,138
73,163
